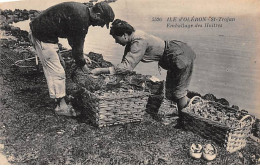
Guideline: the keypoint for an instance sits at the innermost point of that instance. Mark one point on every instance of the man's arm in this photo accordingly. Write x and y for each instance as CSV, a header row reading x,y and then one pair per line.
x,y
77,44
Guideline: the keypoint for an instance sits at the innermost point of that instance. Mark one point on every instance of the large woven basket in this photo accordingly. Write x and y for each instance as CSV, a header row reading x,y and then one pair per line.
x,y
107,108
222,124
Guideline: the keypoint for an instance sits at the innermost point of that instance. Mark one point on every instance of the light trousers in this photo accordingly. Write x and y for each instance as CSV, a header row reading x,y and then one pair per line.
x,y
53,70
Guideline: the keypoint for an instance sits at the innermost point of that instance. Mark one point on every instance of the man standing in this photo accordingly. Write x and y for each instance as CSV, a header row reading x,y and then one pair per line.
x,y
65,20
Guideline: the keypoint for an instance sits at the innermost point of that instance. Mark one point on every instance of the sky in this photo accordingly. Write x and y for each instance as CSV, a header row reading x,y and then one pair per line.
x,y
180,7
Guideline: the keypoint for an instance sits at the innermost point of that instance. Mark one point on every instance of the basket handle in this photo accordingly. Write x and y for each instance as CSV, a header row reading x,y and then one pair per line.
x,y
245,117
194,98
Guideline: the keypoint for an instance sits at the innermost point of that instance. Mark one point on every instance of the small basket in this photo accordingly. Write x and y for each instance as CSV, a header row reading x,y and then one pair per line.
x,y
107,108
217,122
29,64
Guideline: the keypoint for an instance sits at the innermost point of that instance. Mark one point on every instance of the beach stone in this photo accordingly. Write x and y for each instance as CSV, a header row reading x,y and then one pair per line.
x,y
11,17
235,107
210,97
16,20
15,29
33,11
244,111
6,26
2,19
223,101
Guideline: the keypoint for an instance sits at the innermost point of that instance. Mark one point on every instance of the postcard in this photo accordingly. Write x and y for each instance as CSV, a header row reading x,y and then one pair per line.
x,y
208,47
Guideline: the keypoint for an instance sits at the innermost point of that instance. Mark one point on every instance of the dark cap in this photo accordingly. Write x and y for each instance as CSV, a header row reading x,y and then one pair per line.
x,y
107,13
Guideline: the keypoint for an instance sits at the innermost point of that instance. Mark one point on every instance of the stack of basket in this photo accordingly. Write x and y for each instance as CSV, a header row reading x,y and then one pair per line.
x,y
223,124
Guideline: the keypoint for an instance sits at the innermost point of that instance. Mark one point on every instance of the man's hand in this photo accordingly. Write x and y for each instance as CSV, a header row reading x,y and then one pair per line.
x,y
88,60
85,69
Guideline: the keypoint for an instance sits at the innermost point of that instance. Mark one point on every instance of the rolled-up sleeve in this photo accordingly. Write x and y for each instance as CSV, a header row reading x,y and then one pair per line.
x,y
131,58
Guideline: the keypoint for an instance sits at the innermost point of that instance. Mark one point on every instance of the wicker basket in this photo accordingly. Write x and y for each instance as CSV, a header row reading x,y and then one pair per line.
x,y
113,108
28,64
222,124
